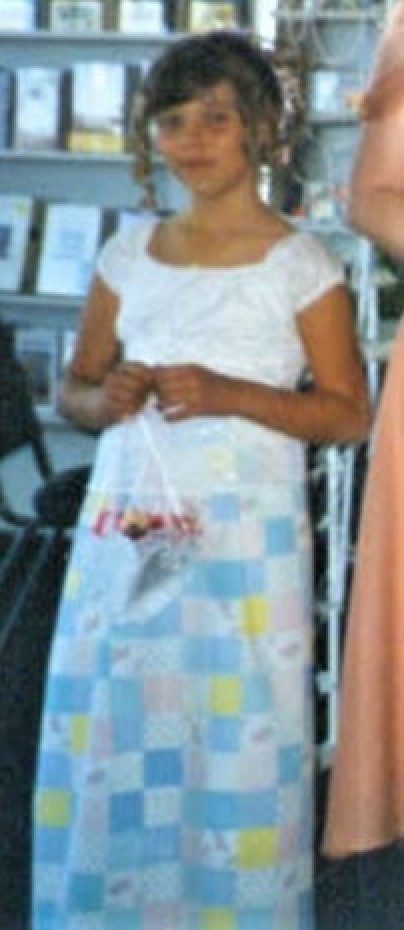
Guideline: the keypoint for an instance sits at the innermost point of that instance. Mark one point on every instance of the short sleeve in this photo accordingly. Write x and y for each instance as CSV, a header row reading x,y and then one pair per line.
x,y
313,272
117,255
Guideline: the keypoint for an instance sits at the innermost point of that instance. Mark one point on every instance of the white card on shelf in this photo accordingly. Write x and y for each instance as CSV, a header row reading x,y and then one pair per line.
x,y
36,348
17,15
15,222
205,15
36,117
98,107
141,16
75,16
69,247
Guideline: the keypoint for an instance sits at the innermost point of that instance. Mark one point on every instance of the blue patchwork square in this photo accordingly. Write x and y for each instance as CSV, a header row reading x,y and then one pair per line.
x,y
224,733
210,887
162,844
125,850
86,893
289,764
255,577
125,693
51,844
256,919
163,767
125,811
305,911
225,506
166,622
280,536
44,916
122,920
219,579
67,694
55,769
127,731
257,694
211,810
213,655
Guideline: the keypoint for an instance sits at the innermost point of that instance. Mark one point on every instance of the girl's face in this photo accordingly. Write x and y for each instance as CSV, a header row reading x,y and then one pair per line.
x,y
202,142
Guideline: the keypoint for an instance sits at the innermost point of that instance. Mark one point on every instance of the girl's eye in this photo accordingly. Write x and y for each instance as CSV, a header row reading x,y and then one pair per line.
x,y
168,122
218,117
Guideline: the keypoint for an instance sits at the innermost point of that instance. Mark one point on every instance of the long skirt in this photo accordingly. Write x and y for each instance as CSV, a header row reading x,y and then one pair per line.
x,y
174,782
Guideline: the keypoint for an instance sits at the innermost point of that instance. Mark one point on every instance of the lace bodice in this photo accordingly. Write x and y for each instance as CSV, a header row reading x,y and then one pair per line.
x,y
240,321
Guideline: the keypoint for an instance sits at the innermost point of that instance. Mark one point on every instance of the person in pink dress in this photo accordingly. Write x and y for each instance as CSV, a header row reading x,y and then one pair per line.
x,y
366,794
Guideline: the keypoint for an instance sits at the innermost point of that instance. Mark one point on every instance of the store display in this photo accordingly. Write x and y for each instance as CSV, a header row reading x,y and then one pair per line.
x,y
5,107
18,15
140,16
69,245
332,91
75,15
97,108
15,220
36,349
204,15
36,112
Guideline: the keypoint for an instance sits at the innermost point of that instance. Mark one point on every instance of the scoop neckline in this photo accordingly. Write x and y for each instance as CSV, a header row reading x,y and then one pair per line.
x,y
194,267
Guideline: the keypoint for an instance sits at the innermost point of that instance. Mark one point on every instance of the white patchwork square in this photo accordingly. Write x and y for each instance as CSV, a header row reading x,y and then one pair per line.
x,y
162,806
162,883
126,772
168,730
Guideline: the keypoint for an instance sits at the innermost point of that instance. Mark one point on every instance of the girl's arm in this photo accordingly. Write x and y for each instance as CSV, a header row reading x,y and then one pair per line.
x,y
98,388
335,410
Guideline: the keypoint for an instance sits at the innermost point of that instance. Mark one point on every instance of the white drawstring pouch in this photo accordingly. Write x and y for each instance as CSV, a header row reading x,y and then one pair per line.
x,y
143,535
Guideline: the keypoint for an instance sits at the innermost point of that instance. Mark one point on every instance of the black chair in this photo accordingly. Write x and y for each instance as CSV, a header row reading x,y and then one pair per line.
x,y
55,503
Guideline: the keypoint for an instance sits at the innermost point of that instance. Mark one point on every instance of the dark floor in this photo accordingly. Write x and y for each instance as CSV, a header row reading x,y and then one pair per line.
x,y
363,893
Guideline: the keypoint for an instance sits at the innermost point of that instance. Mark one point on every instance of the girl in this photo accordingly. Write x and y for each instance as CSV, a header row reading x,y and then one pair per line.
x,y
175,767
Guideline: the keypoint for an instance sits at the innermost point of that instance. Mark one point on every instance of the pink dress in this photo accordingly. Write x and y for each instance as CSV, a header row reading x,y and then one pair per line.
x,y
366,797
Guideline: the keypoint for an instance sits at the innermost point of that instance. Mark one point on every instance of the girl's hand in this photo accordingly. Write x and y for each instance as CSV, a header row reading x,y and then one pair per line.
x,y
126,388
186,391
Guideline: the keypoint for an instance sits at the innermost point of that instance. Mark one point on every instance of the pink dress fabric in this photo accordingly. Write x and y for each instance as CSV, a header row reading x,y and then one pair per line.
x,y
385,95
366,800
366,796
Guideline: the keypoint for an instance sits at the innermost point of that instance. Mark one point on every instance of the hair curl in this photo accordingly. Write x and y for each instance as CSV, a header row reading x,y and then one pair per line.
x,y
191,67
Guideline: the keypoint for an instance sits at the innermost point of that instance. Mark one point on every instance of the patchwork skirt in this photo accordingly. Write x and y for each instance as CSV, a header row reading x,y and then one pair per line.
x,y
174,781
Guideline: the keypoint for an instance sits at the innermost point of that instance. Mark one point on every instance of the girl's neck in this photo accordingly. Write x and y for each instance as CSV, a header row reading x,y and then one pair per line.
x,y
218,216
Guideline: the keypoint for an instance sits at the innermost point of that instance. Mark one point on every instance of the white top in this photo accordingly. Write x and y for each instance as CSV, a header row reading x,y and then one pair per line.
x,y
240,321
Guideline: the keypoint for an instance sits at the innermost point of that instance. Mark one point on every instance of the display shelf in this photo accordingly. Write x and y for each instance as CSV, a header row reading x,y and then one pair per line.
x,y
332,118
316,13
57,49
81,178
46,310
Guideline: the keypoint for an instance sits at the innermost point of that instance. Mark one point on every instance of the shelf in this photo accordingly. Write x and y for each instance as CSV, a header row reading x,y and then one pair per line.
x,y
60,49
372,15
40,309
81,178
332,118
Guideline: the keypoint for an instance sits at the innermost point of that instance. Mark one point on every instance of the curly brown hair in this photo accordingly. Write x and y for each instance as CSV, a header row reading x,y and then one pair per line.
x,y
192,66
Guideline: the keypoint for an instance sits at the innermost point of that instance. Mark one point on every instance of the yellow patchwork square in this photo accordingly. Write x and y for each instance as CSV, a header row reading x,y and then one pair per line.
x,y
225,694
72,583
53,807
257,848
218,918
255,616
79,733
